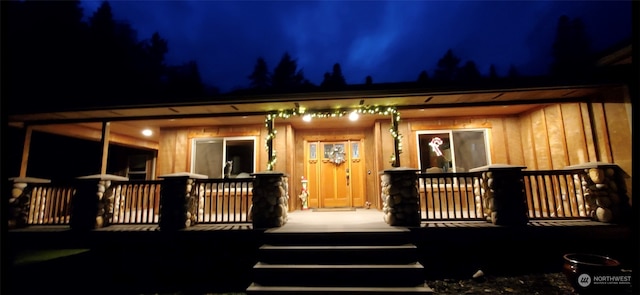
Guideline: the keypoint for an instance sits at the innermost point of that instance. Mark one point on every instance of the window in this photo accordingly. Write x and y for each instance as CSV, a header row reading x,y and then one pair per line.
x,y
210,155
452,150
137,167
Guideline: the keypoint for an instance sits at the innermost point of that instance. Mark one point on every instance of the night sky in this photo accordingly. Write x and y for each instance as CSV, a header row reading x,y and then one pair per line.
x,y
392,41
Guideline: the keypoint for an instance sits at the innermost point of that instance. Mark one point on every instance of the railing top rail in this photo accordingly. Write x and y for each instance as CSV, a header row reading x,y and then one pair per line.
x,y
137,181
449,174
551,172
225,180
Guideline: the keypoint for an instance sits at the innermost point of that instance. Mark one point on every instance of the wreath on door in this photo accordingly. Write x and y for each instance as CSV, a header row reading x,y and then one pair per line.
x,y
336,155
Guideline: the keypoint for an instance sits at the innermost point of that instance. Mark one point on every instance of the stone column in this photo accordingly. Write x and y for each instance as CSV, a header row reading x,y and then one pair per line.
x,y
604,190
503,195
400,196
89,205
177,200
270,203
20,200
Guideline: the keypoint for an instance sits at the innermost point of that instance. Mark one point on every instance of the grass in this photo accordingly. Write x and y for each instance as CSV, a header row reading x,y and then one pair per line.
x,y
36,256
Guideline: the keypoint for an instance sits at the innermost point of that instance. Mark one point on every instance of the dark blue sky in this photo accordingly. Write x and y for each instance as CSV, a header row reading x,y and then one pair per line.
x,y
390,40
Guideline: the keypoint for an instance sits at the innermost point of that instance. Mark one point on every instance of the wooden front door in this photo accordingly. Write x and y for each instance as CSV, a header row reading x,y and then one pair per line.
x,y
335,171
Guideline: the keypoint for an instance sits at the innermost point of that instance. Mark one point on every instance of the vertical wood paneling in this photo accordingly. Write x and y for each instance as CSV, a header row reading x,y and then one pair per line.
x,y
601,133
619,135
513,137
556,138
528,146
540,140
166,151
182,162
574,130
377,129
588,132
499,143
295,187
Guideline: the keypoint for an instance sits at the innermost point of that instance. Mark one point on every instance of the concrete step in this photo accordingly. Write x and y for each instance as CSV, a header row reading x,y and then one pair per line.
x,y
273,290
351,238
346,275
340,254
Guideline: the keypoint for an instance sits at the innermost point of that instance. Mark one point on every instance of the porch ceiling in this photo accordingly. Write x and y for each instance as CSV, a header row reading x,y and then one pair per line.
x,y
127,123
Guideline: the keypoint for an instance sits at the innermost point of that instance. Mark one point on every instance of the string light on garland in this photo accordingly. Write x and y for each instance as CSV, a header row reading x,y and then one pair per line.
x,y
369,110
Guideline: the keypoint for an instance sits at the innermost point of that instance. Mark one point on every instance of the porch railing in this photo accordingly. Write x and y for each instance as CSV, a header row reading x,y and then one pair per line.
x,y
49,203
450,196
223,200
554,194
136,201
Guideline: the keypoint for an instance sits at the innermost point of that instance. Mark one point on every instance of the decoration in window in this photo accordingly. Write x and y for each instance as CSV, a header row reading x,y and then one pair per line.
x,y
336,155
435,144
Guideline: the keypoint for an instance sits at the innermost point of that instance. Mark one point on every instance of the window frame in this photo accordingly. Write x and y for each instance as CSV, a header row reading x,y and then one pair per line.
x,y
224,139
486,135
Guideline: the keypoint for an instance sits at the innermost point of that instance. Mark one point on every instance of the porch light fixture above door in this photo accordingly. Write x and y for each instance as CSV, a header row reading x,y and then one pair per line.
x,y
354,116
306,118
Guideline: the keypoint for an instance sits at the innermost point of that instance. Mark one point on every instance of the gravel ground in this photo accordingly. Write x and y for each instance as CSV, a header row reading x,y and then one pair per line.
x,y
543,284
549,283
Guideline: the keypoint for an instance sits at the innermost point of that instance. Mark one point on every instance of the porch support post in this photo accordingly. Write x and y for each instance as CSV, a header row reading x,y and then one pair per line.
x,y
271,134
25,152
395,117
503,195
400,197
90,208
269,206
20,200
104,139
604,190
178,201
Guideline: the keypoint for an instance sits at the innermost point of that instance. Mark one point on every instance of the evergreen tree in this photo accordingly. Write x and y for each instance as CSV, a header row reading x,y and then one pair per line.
x,y
368,80
447,67
571,50
286,75
493,74
260,78
423,78
335,80
468,73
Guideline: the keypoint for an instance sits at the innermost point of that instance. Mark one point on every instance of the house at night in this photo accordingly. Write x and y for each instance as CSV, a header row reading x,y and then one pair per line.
x,y
468,151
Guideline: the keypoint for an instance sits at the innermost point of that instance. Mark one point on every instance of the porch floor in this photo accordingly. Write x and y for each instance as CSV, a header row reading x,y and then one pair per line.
x,y
325,221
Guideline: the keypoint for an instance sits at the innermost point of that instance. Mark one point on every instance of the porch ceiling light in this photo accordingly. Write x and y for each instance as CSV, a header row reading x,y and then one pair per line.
x,y
354,116
306,118
147,132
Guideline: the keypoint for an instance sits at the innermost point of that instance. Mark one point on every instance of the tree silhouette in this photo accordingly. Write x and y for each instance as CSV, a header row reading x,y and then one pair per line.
x,y
513,72
493,74
335,80
447,67
368,80
184,81
571,50
423,78
152,63
81,63
468,73
286,75
260,78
